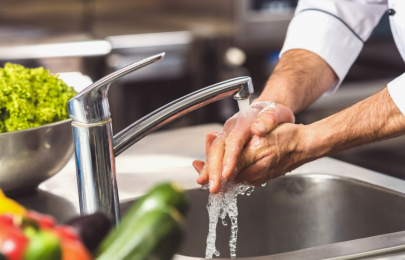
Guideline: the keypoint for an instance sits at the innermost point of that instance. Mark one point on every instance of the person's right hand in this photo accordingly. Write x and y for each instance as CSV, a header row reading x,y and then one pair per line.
x,y
223,149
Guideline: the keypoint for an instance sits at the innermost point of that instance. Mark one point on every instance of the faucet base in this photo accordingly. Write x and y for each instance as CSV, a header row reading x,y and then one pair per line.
x,y
96,175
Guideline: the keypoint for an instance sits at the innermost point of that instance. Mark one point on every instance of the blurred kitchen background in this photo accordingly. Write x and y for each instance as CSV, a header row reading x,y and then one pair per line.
x,y
205,42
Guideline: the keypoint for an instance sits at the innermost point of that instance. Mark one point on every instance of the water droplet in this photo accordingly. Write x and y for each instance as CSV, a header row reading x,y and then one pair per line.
x,y
224,222
248,193
264,184
217,253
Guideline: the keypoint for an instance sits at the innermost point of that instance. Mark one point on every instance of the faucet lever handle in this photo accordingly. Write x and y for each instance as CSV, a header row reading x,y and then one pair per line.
x,y
91,104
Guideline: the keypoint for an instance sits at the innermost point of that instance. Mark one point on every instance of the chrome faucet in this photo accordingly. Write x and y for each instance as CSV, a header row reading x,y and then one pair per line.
x,y
96,147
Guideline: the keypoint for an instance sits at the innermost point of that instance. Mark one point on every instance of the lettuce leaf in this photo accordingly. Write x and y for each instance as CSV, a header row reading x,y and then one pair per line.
x,y
31,97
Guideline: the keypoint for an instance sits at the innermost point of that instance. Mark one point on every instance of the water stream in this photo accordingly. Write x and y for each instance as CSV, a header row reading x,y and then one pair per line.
x,y
225,203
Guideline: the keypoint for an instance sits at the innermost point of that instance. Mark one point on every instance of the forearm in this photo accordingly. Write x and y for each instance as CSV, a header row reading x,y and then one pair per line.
x,y
298,80
373,119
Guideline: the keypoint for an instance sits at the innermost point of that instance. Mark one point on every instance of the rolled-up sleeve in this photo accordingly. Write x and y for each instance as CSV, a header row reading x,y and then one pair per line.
x,y
396,88
334,29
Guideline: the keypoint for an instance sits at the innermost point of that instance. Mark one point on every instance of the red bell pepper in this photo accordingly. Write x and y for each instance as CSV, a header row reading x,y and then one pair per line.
x,y
13,243
44,221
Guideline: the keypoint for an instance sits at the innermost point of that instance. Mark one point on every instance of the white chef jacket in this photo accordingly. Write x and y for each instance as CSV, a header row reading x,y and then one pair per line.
x,y
337,29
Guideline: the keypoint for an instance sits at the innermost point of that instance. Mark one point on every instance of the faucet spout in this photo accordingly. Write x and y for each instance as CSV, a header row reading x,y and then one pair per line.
x,y
239,88
96,147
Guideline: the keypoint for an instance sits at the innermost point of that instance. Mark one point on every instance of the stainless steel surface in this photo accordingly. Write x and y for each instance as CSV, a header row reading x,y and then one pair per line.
x,y
91,104
239,88
96,175
167,155
96,148
93,141
29,157
303,211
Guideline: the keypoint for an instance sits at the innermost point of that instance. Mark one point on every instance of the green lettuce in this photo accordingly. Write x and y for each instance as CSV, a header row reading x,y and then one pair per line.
x,y
31,98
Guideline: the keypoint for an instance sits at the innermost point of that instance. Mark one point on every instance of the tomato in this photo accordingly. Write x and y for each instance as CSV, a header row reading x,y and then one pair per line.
x,y
74,250
6,220
66,232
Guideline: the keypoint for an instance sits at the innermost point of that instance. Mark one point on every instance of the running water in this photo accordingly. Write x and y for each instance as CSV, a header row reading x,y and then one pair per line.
x,y
219,205
225,203
244,105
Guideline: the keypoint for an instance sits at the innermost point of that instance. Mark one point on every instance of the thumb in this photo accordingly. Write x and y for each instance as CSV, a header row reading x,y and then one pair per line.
x,y
269,119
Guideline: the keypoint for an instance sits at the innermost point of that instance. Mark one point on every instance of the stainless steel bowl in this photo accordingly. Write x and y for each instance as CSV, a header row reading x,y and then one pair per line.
x,y
29,157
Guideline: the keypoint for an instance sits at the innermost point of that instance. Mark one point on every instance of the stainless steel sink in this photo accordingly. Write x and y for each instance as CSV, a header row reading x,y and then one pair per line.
x,y
300,212
326,209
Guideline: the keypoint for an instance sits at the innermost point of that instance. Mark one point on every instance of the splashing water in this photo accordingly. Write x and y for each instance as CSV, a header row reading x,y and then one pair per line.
x,y
225,203
219,206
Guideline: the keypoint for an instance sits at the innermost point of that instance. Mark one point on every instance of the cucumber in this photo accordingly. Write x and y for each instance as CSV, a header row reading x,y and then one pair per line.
x,y
156,235
164,194
2,257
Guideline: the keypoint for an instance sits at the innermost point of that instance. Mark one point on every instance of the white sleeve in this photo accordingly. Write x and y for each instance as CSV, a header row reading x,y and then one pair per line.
x,y
396,88
334,29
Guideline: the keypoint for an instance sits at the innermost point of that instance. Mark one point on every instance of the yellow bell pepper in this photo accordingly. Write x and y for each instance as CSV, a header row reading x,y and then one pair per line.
x,y
10,206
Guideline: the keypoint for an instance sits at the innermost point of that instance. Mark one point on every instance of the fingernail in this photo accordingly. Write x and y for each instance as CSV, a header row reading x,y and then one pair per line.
x,y
212,183
261,127
223,172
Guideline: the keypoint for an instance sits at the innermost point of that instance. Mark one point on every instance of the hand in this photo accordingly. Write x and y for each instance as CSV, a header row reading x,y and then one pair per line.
x,y
272,156
223,149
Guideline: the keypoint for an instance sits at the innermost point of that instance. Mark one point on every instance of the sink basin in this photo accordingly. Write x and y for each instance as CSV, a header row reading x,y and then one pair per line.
x,y
299,212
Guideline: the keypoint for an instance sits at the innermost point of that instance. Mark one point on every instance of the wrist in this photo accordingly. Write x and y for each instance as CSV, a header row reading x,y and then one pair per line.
x,y
302,151
318,140
278,90
296,147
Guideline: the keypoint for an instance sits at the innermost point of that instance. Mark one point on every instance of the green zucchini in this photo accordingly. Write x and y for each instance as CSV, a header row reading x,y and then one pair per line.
x,y
164,194
156,235
167,193
2,257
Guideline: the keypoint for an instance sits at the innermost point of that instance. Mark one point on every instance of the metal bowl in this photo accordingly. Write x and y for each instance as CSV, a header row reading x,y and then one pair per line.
x,y
29,157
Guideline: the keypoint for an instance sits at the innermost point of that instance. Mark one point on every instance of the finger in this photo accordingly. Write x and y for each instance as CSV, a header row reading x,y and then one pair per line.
x,y
214,163
254,173
213,166
248,150
203,177
269,119
234,144
198,165
209,139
